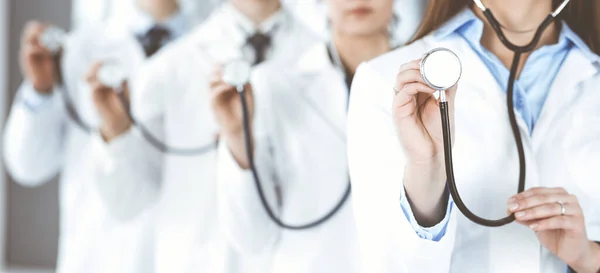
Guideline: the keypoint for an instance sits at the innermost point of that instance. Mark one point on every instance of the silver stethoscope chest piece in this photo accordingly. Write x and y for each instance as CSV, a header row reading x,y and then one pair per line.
x,y
53,39
236,73
441,69
112,74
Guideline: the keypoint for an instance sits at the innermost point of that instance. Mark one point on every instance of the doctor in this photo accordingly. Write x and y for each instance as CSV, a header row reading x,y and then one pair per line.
x,y
406,222
313,13
171,97
299,146
40,140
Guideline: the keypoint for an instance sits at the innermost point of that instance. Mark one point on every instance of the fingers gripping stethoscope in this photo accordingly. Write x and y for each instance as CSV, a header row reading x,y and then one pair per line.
x,y
237,74
113,75
441,69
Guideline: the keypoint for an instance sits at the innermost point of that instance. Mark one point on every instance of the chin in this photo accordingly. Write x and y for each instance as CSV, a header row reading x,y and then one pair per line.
x,y
360,31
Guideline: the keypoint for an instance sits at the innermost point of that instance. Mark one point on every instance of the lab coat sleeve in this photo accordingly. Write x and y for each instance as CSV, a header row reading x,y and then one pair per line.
x,y
127,174
434,233
128,170
246,222
388,241
33,137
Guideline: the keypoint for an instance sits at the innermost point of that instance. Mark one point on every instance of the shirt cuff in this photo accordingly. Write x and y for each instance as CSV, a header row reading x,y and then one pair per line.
x,y
435,233
33,100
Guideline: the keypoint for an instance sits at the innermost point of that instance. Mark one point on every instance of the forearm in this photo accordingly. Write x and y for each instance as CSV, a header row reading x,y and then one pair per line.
x,y
240,208
236,143
34,137
128,174
426,191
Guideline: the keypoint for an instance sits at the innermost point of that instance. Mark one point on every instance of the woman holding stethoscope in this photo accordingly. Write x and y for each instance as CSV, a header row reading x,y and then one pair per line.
x,y
299,147
407,220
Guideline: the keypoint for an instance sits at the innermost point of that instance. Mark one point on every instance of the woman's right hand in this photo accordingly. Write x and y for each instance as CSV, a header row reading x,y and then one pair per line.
x,y
37,63
227,107
418,125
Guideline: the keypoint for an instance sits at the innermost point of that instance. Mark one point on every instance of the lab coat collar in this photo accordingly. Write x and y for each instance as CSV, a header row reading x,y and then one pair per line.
x,y
131,21
476,73
140,23
566,82
247,26
222,37
322,85
467,17
314,60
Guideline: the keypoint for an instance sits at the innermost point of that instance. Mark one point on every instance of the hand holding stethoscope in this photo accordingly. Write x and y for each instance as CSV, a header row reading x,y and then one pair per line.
x,y
232,101
37,61
552,213
109,103
108,80
226,104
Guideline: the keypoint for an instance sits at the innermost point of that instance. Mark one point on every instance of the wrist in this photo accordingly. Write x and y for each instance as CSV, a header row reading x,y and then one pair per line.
x,y
42,89
232,135
433,171
114,130
236,144
425,185
589,262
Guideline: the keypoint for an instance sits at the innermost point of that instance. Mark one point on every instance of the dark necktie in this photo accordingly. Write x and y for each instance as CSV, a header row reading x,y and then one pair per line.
x,y
154,39
260,43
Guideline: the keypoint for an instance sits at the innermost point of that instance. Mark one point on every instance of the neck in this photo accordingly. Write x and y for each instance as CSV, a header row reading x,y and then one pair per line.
x,y
520,20
353,50
257,10
159,10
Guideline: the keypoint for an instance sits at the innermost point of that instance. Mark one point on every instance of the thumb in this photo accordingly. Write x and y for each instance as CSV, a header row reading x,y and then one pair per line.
x,y
92,75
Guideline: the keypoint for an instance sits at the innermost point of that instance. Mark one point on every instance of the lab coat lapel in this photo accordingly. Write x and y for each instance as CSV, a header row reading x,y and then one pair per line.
x,y
219,37
575,69
322,88
477,77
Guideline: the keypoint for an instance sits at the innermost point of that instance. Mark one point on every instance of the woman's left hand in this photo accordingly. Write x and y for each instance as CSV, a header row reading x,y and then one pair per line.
x,y
558,221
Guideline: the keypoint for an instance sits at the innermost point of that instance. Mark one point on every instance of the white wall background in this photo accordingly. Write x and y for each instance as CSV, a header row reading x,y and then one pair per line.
x,y
4,7
32,214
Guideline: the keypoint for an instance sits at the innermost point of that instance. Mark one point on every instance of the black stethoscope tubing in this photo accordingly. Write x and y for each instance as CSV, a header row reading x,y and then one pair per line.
x,y
146,134
445,116
258,185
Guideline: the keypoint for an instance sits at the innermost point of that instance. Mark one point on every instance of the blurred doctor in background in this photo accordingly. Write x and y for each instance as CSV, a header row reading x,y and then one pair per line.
x,y
41,141
89,12
313,13
171,97
299,145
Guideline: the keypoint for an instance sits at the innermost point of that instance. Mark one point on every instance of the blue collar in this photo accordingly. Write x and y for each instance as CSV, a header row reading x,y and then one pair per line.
x,y
467,21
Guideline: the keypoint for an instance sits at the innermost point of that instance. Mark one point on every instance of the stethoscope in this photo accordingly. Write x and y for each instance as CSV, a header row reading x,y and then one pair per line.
x,y
237,73
113,75
441,69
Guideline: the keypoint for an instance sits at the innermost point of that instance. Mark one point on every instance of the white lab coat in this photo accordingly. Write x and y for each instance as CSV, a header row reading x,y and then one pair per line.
x,y
563,151
300,154
42,143
171,96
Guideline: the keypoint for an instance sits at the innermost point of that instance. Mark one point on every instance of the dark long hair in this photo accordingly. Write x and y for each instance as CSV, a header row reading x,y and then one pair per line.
x,y
580,15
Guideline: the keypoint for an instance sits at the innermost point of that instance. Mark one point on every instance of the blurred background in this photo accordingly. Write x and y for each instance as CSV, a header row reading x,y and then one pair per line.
x,y
29,217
